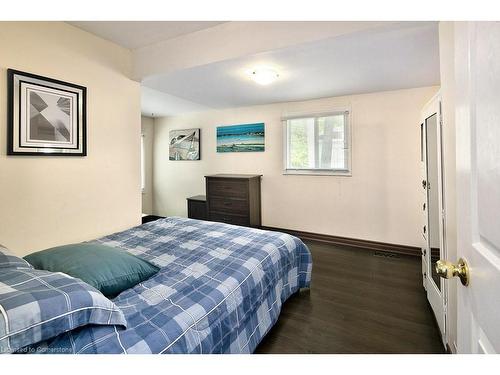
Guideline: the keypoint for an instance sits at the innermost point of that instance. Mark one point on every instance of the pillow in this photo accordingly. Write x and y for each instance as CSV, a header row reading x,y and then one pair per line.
x,y
7,260
39,305
108,269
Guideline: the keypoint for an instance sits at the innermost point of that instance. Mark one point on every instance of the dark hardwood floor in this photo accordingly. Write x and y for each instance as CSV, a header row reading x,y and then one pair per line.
x,y
359,302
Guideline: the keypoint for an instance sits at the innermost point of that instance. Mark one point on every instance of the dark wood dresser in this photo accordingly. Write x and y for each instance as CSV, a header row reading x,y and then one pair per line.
x,y
234,199
197,207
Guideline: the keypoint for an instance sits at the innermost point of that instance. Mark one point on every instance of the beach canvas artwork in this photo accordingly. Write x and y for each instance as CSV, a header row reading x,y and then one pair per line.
x,y
184,144
241,138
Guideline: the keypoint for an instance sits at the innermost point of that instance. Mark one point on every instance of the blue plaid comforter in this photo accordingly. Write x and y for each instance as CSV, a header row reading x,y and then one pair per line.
x,y
219,290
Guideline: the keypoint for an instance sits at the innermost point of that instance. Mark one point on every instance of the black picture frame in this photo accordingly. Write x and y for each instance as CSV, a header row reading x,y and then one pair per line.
x,y
15,79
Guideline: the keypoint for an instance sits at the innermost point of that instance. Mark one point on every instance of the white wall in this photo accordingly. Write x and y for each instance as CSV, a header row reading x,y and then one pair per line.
x,y
379,202
147,129
447,63
48,201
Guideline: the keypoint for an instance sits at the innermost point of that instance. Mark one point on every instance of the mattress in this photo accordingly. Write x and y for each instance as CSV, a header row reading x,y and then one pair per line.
x,y
220,289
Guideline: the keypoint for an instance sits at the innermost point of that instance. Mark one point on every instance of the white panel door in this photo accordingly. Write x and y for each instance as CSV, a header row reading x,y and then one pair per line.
x,y
477,59
433,203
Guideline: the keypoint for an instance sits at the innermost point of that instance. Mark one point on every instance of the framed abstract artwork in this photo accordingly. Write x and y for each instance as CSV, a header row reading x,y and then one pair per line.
x,y
241,138
45,116
184,144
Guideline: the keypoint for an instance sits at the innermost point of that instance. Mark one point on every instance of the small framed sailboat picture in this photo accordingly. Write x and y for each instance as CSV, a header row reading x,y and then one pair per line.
x,y
184,144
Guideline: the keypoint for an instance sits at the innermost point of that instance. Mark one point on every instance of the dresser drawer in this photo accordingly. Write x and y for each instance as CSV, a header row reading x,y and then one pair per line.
x,y
227,188
229,219
229,205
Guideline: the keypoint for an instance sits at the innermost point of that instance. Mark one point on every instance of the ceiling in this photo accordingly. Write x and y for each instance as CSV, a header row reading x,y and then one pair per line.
x,y
203,65
159,104
137,34
391,58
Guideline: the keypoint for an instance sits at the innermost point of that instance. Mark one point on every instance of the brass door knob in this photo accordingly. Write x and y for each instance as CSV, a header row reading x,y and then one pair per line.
x,y
447,270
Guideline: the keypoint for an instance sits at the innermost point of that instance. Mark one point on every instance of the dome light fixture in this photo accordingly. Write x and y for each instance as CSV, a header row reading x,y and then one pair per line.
x,y
264,76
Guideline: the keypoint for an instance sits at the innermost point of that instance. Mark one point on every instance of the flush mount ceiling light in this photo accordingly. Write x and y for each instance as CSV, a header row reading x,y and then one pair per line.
x,y
264,76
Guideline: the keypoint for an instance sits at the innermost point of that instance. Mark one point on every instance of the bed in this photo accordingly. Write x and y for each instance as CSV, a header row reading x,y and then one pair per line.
x,y
220,289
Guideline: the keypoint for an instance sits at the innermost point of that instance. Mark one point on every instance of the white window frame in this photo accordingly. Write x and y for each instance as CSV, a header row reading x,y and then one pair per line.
x,y
143,164
315,171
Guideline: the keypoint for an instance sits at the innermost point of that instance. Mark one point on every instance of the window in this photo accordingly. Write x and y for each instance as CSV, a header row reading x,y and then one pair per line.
x,y
318,144
143,165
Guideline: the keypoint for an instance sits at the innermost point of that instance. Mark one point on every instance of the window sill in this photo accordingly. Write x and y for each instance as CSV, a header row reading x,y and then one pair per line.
x,y
309,172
